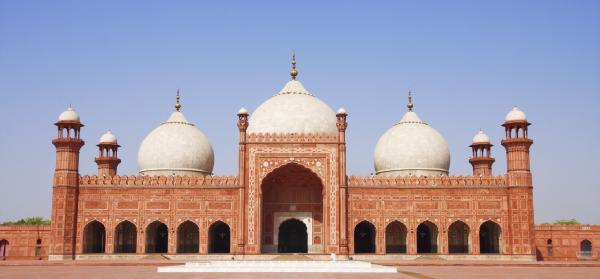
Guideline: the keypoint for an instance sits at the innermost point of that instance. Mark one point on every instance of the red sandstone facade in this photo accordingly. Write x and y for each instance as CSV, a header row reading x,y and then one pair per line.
x,y
290,182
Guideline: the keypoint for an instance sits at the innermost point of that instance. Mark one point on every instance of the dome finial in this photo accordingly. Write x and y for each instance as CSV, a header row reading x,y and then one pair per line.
x,y
177,104
410,104
294,72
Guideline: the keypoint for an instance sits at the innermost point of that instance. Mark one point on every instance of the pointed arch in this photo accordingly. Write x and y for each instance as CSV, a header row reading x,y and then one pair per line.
x,y
490,235
364,237
188,236
395,237
125,237
94,237
427,238
219,238
458,238
157,237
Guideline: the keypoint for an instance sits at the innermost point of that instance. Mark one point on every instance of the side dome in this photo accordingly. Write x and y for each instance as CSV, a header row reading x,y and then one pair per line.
x,y
293,110
411,147
176,147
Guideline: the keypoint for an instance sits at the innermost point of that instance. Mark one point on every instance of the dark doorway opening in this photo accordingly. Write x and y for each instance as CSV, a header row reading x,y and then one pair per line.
x,y
93,238
157,238
293,237
458,238
489,238
3,248
219,238
364,238
427,234
187,238
395,238
125,237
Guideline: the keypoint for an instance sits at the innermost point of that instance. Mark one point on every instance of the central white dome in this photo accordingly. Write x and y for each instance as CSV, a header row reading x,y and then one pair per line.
x,y
293,110
411,147
176,147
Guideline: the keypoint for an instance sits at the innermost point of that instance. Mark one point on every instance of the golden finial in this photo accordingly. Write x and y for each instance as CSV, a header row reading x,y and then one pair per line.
x,y
410,104
294,72
177,104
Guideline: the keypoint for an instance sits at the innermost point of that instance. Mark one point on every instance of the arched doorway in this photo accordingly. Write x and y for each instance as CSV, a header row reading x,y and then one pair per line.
x,y
4,248
125,237
93,237
489,238
395,238
458,238
218,238
427,238
187,238
38,247
157,238
291,191
585,248
293,237
364,238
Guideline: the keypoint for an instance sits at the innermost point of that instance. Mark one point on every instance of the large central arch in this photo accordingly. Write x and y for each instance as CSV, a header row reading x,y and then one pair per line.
x,y
291,191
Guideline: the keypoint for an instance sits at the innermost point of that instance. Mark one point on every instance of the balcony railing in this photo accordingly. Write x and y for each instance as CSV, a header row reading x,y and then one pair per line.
x,y
587,255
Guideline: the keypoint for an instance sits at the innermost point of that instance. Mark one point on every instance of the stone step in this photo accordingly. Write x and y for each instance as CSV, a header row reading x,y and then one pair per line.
x,y
279,266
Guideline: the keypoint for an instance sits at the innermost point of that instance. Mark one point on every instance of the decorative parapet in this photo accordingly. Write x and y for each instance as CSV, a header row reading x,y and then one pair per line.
x,y
424,181
24,227
559,227
291,137
160,180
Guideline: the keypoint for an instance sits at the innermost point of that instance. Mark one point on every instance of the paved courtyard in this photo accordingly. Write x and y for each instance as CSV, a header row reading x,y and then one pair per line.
x,y
422,272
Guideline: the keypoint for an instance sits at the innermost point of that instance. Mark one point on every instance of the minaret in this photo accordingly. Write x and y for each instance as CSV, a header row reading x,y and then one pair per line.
x,y
517,145
482,159
108,159
521,229
65,190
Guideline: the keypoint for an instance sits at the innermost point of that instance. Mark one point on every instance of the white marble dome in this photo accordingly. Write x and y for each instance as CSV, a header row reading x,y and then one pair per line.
x,y
293,110
108,137
69,115
411,147
176,147
481,137
516,114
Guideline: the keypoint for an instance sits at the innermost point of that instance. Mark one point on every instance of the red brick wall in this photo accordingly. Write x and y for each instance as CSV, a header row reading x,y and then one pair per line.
x,y
566,241
22,241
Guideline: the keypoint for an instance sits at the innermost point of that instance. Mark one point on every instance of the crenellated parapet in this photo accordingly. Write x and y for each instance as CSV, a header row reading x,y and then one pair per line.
x,y
291,138
400,181
158,181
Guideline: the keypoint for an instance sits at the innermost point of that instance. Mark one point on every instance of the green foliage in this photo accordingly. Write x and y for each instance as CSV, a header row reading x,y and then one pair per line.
x,y
37,220
567,222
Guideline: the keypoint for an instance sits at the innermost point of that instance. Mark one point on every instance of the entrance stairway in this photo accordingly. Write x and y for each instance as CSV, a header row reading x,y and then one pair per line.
x,y
280,266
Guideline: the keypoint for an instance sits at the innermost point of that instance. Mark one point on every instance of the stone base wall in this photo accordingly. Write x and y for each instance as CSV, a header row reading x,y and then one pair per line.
x,y
24,242
563,242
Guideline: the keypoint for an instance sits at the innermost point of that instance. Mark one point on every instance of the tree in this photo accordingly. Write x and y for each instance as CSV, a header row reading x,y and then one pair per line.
x,y
36,220
572,221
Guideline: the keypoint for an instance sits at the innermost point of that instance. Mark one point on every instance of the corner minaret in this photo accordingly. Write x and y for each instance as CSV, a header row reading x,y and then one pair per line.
x,y
517,145
108,159
482,159
520,186
65,190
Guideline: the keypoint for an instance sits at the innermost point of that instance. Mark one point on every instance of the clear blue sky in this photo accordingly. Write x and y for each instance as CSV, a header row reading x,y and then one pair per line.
x,y
468,62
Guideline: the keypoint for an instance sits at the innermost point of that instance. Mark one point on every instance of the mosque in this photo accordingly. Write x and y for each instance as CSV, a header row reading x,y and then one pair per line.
x,y
292,193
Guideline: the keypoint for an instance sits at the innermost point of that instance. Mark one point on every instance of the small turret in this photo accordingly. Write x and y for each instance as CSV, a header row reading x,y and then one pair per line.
x,y
108,159
481,159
